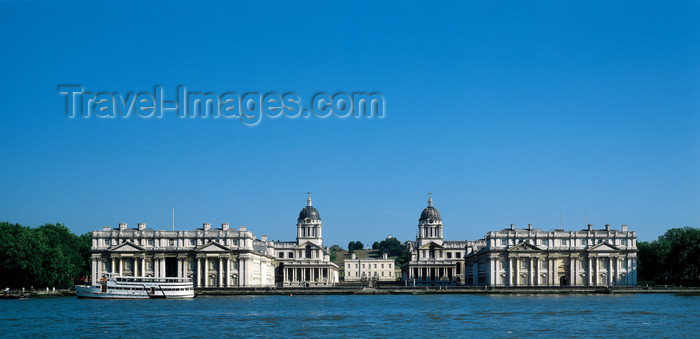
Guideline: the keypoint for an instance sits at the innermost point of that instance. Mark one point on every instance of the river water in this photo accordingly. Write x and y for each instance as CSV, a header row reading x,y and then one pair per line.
x,y
455,315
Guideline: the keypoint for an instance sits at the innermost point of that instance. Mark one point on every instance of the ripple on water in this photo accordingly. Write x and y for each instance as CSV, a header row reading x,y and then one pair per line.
x,y
383,316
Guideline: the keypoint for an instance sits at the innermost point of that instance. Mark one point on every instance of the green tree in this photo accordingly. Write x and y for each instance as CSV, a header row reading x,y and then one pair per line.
x,y
351,247
47,256
375,245
673,258
359,245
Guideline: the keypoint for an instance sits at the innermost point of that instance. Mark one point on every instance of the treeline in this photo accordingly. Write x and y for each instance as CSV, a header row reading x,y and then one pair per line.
x,y
394,248
46,256
672,259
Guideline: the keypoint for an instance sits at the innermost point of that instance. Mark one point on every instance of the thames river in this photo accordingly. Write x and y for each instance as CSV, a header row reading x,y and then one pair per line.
x,y
456,315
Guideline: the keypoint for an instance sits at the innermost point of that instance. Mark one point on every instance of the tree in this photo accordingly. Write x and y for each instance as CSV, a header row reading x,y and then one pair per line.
x,y
375,245
359,245
673,258
50,255
351,247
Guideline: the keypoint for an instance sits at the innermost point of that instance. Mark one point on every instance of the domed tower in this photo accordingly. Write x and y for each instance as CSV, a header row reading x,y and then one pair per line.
x,y
429,225
309,225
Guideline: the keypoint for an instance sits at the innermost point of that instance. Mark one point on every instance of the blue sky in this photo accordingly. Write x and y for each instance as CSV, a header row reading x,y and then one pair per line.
x,y
509,112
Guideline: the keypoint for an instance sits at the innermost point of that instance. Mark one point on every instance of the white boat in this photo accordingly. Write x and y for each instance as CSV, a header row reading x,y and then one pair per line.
x,y
122,287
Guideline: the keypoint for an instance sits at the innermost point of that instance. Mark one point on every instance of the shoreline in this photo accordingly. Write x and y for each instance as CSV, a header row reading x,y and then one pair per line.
x,y
396,290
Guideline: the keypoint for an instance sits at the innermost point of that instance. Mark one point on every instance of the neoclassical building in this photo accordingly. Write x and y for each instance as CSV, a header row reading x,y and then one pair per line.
x,y
434,261
532,257
381,269
223,257
305,262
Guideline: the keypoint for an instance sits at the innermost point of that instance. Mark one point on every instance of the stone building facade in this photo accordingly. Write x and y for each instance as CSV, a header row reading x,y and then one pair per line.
x,y
222,257
532,257
305,262
369,268
433,260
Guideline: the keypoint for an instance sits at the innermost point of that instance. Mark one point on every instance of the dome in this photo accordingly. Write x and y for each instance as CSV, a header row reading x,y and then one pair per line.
x,y
309,211
430,212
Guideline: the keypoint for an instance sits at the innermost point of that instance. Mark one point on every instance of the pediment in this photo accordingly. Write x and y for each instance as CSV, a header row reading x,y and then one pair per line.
x,y
304,244
603,247
127,247
433,244
525,247
212,247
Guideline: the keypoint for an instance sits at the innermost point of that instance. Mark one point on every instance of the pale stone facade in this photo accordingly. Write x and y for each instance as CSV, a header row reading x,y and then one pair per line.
x,y
433,260
220,258
369,268
305,262
532,257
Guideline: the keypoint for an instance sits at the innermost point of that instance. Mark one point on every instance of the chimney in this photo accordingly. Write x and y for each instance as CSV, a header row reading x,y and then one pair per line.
x,y
590,227
106,228
142,226
353,256
263,238
242,229
624,228
385,256
224,226
207,226
512,227
529,227
122,226
607,227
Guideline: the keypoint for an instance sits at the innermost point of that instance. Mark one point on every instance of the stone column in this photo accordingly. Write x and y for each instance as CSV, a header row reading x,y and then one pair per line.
x,y
94,271
143,265
179,267
162,267
120,266
572,276
596,271
198,274
228,272
135,267
516,271
510,272
498,271
221,273
185,267
113,267
590,272
610,271
492,271
99,268
206,272
529,273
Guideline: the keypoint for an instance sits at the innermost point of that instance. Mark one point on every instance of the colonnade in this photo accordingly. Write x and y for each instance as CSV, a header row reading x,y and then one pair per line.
x,y
533,270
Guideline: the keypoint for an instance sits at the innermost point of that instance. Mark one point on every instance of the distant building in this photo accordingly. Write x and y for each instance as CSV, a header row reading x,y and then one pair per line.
x,y
369,268
433,260
220,258
305,262
532,257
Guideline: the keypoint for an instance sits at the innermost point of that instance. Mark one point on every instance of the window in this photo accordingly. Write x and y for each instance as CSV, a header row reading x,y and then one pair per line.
x,y
171,242
107,242
458,255
504,242
281,254
290,255
363,265
375,265
449,255
382,265
193,242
